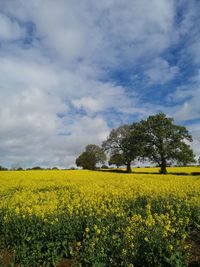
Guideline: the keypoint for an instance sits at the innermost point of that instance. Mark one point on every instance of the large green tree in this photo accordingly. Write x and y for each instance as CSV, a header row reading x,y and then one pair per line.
x,y
92,155
165,142
117,159
124,140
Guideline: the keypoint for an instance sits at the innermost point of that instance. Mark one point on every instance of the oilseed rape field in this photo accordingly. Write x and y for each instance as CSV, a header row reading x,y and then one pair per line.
x,y
93,218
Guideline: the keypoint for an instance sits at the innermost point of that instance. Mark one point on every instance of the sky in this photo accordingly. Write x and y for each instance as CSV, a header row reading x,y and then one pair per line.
x,y
70,71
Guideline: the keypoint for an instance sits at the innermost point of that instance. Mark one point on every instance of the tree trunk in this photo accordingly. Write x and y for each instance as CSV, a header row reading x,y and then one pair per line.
x,y
163,167
128,167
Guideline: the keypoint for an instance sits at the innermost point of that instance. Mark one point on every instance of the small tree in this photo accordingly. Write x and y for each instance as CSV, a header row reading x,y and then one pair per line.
x,y
165,142
199,161
92,155
117,159
126,141
3,168
37,168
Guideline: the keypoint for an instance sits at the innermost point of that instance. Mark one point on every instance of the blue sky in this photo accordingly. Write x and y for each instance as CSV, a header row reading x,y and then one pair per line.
x,y
72,70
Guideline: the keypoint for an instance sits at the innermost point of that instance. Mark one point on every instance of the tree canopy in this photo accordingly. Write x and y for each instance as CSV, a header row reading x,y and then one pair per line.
x,y
117,159
157,139
92,155
165,142
124,141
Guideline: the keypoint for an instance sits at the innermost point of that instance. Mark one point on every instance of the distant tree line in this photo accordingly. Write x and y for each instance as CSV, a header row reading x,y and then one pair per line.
x,y
27,169
3,168
156,139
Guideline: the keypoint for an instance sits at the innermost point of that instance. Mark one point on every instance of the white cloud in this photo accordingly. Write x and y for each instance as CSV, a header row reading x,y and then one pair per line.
x,y
107,32
190,109
87,103
55,88
189,29
195,131
10,30
160,72
195,50
189,96
31,102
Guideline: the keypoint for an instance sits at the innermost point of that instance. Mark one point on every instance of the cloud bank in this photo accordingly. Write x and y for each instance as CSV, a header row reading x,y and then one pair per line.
x,y
71,70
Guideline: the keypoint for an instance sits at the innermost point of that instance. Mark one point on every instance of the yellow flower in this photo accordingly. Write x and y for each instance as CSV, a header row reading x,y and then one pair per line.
x,y
148,206
173,230
167,227
17,210
170,247
78,244
46,196
114,237
165,234
184,236
124,251
98,231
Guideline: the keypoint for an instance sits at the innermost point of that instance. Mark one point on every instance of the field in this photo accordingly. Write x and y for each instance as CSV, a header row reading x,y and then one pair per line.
x,y
88,218
171,170
177,170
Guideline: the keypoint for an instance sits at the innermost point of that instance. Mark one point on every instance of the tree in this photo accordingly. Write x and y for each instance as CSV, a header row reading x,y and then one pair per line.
x,y
92,155
125,141
37,168
117,159
165,142
198,161
3,168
